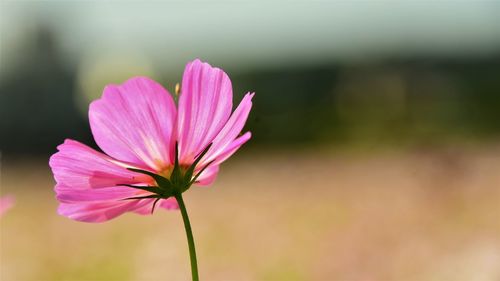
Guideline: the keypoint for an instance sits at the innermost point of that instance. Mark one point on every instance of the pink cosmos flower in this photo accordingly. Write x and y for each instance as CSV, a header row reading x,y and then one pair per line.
x,y
152,148
6,203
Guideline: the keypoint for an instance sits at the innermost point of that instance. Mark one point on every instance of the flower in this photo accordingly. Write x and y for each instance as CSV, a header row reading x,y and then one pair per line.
x,y
152,148
6,203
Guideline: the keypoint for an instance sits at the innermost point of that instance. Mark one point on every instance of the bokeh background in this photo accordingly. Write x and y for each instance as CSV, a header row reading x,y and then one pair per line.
x,y
375,152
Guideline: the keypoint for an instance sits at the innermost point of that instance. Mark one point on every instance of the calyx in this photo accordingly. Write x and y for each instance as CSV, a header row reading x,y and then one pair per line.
x,y
180,179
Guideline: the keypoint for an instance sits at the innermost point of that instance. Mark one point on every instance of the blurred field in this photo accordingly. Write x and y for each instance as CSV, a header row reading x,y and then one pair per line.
x,y
419,214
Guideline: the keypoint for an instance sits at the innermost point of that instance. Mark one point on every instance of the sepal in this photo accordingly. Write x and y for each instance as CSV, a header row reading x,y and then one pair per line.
x,y
161,181
189,173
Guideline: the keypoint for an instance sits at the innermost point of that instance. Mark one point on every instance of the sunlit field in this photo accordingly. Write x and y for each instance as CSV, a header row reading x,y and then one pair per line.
x,y
419,214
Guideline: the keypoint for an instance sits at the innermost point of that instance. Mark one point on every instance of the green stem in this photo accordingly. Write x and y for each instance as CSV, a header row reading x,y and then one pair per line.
x,y
189,234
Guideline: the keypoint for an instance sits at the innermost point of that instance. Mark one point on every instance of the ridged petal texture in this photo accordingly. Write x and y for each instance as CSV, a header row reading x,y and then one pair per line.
x,y
137,124
134,122
87,184
204,107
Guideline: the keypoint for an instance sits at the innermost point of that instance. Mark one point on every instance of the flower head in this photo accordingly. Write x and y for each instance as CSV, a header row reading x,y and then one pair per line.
x,y
152,148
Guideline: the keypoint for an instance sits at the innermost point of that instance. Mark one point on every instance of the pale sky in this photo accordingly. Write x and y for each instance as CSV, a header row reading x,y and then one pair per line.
x,y
257,33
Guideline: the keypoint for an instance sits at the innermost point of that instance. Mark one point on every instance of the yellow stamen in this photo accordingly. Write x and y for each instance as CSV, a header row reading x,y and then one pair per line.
x,y
177,89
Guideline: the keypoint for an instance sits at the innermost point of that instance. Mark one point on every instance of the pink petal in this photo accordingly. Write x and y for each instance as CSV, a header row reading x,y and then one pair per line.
x,y
87,183
146,209
232,148
169,204
205,104
223,142
134,122
6,203
99,212
80,167
208,176
71,195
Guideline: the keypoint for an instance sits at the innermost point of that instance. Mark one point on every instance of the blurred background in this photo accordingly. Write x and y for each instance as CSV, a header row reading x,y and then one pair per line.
x,y
375,150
